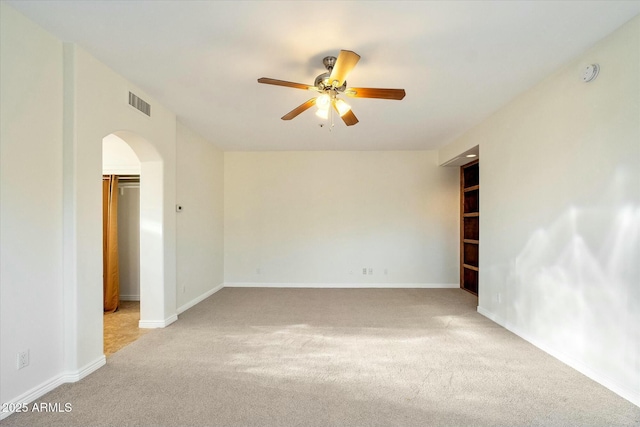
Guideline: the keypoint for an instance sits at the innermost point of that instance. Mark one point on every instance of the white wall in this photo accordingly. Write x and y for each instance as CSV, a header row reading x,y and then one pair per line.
x,y
100,104
560,214
319,218
559,211
200,186
31,210
57,104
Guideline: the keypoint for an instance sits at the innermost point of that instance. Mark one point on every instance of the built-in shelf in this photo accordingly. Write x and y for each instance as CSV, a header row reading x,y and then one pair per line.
x,y
469,226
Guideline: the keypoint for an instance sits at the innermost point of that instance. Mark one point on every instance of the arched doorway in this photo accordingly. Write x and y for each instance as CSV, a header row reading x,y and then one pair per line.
x,y
151,226
121,244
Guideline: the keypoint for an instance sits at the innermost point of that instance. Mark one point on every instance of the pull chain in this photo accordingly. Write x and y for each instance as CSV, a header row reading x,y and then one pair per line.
x,y
331,118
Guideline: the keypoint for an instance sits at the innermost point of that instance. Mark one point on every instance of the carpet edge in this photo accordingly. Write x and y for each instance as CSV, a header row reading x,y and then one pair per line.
x,y
343,285
631,395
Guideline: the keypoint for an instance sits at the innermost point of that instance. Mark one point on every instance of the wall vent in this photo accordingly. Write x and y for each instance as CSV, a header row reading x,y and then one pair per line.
x,y
139,104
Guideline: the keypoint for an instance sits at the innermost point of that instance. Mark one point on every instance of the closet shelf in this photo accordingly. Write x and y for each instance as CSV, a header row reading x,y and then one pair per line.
x,y
469,226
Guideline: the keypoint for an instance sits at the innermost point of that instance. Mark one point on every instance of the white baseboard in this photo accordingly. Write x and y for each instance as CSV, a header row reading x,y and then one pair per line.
x,y
495,318
343,285
129,297
629,393
44,388
201,298
71,377
154,324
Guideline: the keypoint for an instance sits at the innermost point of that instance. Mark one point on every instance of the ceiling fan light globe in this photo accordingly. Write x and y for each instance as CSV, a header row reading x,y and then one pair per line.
x,y
323,114
342,107
323,102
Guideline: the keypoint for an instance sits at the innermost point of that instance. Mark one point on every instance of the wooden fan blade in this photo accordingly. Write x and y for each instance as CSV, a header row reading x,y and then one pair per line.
x,y
299,109
348,118
367,92
344,64
276,82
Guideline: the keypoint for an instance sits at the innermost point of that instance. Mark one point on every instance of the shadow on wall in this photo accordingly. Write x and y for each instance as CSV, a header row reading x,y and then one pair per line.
x,y
577,282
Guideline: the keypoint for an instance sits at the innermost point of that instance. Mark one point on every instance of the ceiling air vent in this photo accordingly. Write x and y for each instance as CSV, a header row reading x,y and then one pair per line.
x,y
139,104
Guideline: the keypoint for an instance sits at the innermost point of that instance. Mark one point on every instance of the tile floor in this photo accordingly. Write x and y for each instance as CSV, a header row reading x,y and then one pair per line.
x,y
121,327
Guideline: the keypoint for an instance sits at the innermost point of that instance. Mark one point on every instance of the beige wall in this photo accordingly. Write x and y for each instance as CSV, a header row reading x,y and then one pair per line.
x,y
57,105
560,213
200,186
319,218
31,206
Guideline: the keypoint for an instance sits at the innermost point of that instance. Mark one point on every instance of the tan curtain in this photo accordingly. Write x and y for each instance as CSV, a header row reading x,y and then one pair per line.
x,y
111,269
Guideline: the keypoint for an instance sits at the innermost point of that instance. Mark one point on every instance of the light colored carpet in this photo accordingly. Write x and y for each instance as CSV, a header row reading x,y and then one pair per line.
x,y
334,357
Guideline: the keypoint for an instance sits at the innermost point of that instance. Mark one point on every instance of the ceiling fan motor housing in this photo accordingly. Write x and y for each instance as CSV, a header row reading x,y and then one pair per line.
x,y
322,81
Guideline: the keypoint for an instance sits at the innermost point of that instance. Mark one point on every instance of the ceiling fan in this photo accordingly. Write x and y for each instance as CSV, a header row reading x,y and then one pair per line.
x,y
332,83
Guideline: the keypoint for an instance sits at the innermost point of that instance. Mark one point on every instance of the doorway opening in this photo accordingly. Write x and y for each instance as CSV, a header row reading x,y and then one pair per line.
x,y
124,297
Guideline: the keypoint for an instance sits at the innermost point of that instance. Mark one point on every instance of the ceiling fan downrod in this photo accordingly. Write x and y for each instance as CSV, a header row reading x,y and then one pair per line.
x,y
329,62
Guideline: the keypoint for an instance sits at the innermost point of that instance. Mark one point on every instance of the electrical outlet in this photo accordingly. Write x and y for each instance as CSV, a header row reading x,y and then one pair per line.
x,y
23,359
364,271
371,271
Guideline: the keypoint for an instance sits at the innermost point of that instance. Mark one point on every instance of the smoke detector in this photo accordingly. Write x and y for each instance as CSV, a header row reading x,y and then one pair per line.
x,y
590,72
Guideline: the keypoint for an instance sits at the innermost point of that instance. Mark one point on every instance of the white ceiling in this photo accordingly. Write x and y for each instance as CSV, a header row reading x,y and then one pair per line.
x,y
458,61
